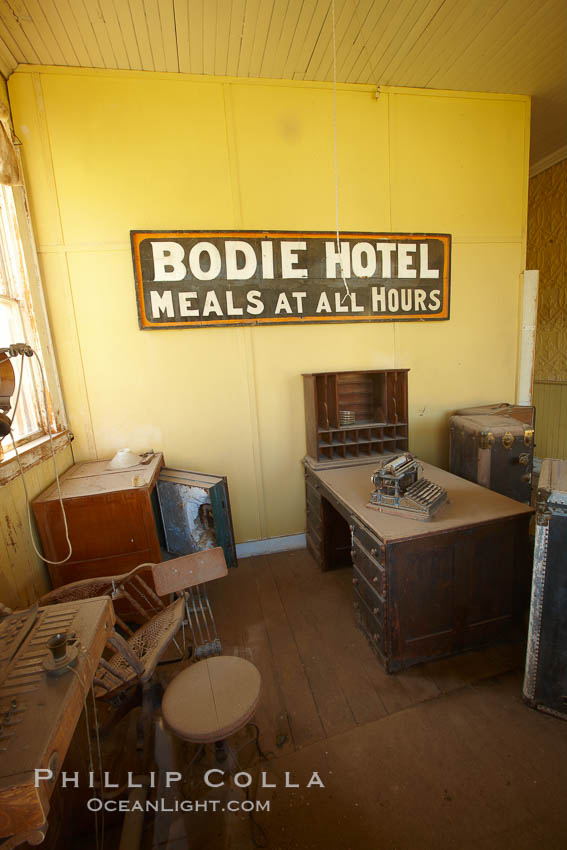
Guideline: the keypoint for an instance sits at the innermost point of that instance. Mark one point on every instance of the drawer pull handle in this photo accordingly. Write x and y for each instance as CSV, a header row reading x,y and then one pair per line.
x,y
378,553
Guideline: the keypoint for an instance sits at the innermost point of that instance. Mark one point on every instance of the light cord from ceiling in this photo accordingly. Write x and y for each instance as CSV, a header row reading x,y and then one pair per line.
x,y
347,292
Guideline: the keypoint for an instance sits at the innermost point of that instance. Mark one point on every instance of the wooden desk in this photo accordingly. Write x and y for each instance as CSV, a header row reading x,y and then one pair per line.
x,y
424,589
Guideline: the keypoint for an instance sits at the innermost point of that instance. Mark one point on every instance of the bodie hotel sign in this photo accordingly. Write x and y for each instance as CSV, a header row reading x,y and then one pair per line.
x,y
211,278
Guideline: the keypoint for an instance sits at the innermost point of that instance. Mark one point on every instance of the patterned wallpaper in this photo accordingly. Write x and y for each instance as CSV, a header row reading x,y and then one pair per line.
x,y
547,251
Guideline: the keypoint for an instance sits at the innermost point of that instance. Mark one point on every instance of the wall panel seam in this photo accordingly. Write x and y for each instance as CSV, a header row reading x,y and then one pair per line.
x,y
52,179
245,333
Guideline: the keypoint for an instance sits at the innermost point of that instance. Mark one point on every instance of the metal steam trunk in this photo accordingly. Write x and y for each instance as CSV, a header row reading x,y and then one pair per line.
x,y
545,681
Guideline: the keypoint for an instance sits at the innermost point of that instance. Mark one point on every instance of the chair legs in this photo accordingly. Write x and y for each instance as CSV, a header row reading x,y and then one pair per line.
x,y
152,693
122,709
168,754
221,751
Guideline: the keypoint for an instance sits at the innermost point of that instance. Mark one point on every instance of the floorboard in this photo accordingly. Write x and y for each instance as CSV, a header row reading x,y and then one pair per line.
x,y
443,756
304,720
316,655
296,623
324,596
243,631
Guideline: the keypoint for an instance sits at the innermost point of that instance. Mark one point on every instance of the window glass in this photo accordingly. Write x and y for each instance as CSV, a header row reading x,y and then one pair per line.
x,y
17,325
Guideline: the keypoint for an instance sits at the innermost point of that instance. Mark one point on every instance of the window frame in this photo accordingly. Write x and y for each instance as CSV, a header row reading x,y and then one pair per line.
x,y
35,448
31,395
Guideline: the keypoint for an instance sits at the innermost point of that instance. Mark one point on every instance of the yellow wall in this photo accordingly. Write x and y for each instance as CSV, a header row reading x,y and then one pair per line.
x,y
23,577
547,251
107,152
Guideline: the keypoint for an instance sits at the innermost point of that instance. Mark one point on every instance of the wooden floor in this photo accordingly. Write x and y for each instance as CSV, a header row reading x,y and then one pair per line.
x,y
444,755
320,677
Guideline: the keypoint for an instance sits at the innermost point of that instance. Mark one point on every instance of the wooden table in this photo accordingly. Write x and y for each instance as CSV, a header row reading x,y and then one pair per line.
x,y
40,711
424,589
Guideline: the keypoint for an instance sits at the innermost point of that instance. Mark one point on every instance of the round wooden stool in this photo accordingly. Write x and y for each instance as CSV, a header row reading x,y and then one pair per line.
x,y
212,699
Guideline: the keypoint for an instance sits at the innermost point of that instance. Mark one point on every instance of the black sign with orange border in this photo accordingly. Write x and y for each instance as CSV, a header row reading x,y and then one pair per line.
x,y
211,278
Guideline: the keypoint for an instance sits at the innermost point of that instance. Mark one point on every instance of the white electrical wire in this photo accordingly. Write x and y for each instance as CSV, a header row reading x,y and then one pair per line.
x,y
347,293
99,763
85,687
47,561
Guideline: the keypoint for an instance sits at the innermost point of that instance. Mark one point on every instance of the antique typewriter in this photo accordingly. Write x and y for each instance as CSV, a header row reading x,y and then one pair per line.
x,y
399,490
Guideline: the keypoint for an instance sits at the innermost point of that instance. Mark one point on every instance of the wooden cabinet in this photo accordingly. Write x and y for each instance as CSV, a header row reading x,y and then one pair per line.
x,y
379,401
117,519
423,590
110,516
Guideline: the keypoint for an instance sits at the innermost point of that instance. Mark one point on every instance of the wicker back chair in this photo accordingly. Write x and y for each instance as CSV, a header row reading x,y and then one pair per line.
x,y
128,591
136,657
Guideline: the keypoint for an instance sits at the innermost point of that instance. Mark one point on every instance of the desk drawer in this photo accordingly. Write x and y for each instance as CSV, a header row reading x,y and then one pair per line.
x,y
312,489
313,508
312,498
313,523
372,571
313,541
311,481
375,547
374,602
372,627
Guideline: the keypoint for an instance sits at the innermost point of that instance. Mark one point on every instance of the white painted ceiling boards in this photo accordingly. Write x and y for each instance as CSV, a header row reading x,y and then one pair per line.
x,y
509,46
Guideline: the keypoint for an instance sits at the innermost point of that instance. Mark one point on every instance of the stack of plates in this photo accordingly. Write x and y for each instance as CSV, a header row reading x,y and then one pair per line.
x,y
347,417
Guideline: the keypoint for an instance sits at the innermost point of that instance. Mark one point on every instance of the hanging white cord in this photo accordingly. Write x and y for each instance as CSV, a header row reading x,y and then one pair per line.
x,y
47,561
85,687
99,763
83,652
347,292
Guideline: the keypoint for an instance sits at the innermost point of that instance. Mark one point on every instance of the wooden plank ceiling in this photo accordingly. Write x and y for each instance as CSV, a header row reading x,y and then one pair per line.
x,y
510,46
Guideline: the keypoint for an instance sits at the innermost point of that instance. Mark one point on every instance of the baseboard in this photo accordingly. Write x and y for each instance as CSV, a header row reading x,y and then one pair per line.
x,y
270,545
